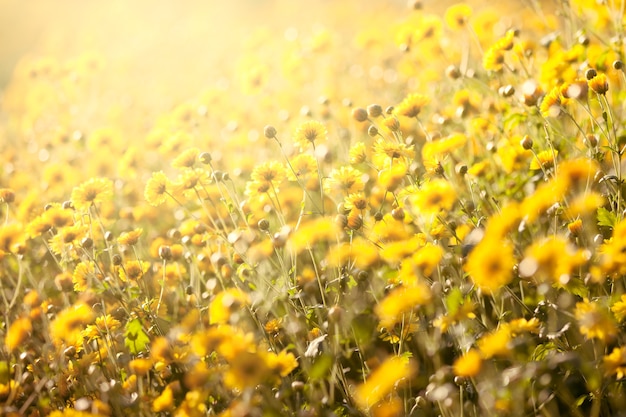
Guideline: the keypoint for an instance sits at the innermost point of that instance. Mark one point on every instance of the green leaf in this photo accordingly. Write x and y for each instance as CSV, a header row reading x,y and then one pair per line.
x,y
321,367
136,339
606,218
454,300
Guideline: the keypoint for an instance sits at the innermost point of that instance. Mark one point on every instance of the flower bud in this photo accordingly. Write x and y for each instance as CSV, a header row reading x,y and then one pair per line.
x,y
359,114
526,142
374,110
269,131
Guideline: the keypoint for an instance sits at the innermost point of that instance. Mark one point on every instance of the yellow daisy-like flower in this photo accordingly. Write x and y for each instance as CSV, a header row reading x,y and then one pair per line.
x,y
490,264
615,362
133,270
434,196
310,133
157,189
412,105
346,180
544,159
186,159
619,309
457,15
594,322
469,364
92,191
383,380
130,238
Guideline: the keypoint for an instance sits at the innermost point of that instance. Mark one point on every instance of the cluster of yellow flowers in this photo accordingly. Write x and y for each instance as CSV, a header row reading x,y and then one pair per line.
x,y
434,225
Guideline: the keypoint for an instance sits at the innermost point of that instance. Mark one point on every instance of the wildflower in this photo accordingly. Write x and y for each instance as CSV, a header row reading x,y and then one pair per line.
x,y
356,201
345,180
361,253
226,305
186,159
412,105
619,309
495,343
545,159
67,326
18,333
400,301
157,189
284,362
93,191
493,59
490,264
357,153
82,271
615,362
599,84
391,178
271,173
457,15
247,370
311,233
383,380
133,270
390,150
553,103
613,251
434,196
130,238
305,170
310,132
165,401
551,259
468,365
594,322
68,238
12,238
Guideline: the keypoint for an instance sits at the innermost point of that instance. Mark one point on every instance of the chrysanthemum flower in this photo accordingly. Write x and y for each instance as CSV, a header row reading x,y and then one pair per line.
x,y
615,362
412,105
434,196
310,133
92,191
133,270
457,15
490,264
594,322
345,180
130,238
157,189
469,364
383,380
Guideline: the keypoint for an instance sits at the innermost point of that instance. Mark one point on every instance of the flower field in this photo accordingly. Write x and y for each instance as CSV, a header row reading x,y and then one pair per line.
x,y
338,209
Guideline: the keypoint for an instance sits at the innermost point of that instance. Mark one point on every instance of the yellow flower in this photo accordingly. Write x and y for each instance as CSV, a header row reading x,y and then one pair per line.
x,y
68,238
309,234
186,159
92,191
67,326
468,365
357,153
615,362
157,189
165,401
133,270
360,253
594,322
18,332
12,238
412,105
619,309
400,301
490,264
310,133
457,15
271,173
284,362
545,159
495,343
599,84
383,381
434,196
82,271
345,180
130,238
226,305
